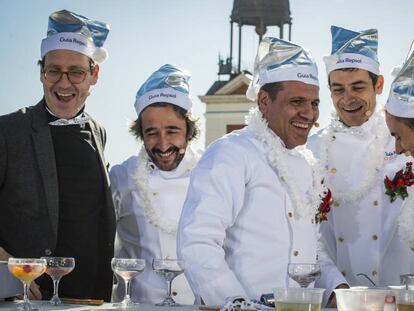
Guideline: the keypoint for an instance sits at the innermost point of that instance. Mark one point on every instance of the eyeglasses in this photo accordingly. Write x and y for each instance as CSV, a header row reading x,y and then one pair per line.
x,y
75,76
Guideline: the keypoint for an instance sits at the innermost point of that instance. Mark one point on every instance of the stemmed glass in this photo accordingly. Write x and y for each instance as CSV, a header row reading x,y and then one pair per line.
x,y
168,269
304,273
26,270
56,268
127,269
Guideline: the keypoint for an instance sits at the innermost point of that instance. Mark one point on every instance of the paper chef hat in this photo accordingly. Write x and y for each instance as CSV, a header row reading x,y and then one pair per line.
x,y
400,102
353,49
70,31
278,60
168,84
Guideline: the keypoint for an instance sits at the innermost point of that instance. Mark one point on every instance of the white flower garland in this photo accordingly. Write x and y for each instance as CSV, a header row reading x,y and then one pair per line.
x,y
373,167
278,161
152,212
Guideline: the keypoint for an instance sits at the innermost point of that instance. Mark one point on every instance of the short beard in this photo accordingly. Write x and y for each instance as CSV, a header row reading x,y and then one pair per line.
x,y
179,156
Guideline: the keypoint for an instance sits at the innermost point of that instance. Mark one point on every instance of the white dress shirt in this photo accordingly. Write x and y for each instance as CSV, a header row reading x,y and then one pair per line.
x,y
361,234
138,238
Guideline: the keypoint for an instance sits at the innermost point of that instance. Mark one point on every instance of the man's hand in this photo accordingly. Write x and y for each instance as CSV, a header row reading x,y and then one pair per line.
x,y
332,298
4,256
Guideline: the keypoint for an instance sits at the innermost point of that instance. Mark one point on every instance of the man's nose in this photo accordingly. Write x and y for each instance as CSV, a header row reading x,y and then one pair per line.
x,y
163,142
64,80
309,112
398,148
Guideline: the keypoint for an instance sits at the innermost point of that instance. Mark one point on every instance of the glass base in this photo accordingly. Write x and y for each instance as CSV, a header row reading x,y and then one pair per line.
x,y
168,302
126,303
25,306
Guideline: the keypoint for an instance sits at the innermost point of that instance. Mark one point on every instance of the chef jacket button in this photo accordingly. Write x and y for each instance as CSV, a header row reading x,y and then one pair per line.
x,y
290,214
333,137
174,293
333,170
375,203
48,252
295,253
336,204
343,273
154,193
374,273
340,239
375,237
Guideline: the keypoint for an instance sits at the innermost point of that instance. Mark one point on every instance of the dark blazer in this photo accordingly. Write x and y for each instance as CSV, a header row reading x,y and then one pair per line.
x,y
29,198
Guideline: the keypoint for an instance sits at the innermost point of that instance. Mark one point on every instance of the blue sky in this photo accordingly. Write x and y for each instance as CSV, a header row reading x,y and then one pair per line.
x,y
145,34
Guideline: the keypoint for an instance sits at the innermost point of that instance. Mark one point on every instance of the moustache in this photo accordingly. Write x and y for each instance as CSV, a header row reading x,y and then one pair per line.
x,y
158,151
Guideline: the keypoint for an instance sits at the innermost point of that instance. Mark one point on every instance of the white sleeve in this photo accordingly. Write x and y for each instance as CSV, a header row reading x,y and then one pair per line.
x,y
124,241
118,176
331,277
214,199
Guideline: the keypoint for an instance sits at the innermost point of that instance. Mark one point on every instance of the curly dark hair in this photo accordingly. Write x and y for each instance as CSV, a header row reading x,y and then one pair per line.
x,y
193,130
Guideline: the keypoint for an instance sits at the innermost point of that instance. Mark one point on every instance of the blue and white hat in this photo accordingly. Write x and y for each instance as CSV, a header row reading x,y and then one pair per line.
x,y
168,84
400,102
70,31
353,49
278,60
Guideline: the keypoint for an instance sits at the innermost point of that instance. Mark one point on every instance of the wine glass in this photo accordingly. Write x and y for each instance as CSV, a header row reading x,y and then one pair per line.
x,y
127,269
168,269
56,268
304,273
26,270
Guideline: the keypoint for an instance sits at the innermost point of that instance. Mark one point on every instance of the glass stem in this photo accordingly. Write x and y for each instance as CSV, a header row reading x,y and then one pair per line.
x,y
169,288
127,289
26,293
55,288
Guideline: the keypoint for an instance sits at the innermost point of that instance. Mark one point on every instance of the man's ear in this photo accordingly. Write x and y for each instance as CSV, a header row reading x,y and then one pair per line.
x,y
95,74
380,85
263,101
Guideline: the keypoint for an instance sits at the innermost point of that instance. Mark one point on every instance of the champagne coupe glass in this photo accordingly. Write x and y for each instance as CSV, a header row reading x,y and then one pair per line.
x,y
127,269
56,268
26,270
168,269
304,273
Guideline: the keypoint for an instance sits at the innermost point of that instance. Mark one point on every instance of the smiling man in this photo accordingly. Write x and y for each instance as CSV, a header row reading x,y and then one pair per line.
x,y
149,189
356,153
400,121
252,203
54,192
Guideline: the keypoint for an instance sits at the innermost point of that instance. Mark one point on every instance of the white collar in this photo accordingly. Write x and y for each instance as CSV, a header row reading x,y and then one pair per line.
x,y
277,157
374,127
144,168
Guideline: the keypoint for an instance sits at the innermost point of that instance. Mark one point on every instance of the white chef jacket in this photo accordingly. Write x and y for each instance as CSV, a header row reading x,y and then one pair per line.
x,y
136,237
361,235
238,230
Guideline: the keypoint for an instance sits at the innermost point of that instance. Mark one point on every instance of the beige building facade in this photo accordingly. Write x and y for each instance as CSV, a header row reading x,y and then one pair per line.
x,y
226,106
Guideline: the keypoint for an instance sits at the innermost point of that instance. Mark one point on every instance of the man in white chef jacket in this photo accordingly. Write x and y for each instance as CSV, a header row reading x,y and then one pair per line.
x,y
400,121
253,196
149,189
356,153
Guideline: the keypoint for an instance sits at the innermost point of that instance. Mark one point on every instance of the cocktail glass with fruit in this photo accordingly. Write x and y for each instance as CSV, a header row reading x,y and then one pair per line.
x,y
26,270
56,268
127,269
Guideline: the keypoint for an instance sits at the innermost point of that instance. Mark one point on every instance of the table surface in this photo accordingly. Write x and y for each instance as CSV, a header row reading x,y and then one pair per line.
x,y
41,305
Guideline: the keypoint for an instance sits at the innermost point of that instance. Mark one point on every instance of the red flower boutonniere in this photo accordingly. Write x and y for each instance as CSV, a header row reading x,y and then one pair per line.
x,y
398,185
324,207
